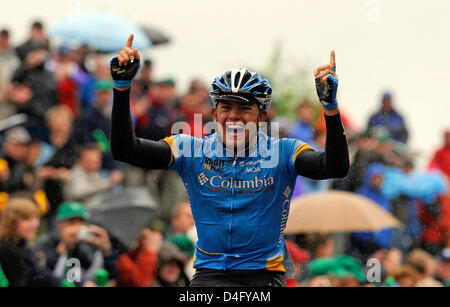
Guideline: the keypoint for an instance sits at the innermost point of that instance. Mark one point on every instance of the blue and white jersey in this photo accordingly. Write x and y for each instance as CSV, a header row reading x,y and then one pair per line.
x,y
240,204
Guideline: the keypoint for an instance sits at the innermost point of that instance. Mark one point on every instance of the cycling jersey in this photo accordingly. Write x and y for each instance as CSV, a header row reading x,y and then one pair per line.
x,y
240,204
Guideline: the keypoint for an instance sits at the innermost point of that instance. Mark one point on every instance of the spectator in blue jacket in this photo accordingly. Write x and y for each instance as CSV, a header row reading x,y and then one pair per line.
x,y
368,242
303,129
390,120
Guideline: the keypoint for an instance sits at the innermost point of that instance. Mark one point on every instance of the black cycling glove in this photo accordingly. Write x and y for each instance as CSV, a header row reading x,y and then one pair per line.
x,y
123,75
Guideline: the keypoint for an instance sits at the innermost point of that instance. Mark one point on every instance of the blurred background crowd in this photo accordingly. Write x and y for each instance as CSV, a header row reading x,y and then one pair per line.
x,y
65,203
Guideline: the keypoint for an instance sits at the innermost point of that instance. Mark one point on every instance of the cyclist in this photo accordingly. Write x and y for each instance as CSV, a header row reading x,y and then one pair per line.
x,y
239,180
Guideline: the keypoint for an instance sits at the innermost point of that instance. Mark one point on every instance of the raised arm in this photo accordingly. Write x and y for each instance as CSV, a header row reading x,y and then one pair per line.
x,y
125,146
334,162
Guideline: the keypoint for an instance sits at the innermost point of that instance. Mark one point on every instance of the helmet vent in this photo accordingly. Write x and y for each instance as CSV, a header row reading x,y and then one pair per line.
x,y
237,78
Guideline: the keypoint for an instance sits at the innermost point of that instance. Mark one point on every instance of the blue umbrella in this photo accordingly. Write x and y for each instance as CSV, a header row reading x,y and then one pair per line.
x,y
103,32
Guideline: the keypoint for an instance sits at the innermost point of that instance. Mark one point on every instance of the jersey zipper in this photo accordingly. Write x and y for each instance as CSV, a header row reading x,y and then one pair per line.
x,y
232,207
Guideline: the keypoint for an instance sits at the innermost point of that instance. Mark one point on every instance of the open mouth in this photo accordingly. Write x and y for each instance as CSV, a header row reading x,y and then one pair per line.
x,y
234,128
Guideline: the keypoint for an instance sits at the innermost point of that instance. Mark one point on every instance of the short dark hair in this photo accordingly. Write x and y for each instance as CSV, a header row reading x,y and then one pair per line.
x,y
37,25
88,147
316,240
148,63
4,32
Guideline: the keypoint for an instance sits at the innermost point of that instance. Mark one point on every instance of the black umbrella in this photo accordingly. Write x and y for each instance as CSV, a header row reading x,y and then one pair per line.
x,y
124,214
156,36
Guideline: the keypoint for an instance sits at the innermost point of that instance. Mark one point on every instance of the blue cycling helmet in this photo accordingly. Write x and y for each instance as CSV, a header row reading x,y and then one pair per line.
x,y
242,85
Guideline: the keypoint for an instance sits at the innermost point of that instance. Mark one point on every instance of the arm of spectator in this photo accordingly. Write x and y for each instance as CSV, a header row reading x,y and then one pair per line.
x,y
138,272
138,268
62,173
116,177
97,263
60,266
45,172
100,239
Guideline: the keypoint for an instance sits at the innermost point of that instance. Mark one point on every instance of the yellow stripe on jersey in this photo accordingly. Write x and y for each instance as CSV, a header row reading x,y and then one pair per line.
x,y
171,142
275,264
211,254
301,149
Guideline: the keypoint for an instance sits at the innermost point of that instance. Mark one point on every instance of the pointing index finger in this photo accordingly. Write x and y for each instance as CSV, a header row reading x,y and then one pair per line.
x,y
333,61
130,41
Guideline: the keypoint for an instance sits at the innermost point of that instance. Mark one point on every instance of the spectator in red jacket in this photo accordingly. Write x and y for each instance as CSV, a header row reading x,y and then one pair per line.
x,y
138,267
441,158
441,161
299,256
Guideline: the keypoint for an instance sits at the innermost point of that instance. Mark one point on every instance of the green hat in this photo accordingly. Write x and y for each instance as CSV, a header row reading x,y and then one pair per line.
x,y
67,284
103,85
167,81
184,244
101,277
340,266
70,210
323,266
352,265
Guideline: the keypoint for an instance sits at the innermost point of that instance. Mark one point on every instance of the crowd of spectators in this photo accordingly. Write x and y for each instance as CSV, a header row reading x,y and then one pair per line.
x,y
56,164
383,170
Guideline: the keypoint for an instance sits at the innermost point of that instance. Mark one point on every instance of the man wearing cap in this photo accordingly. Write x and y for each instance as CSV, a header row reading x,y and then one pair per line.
x,y
14,175
74,239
